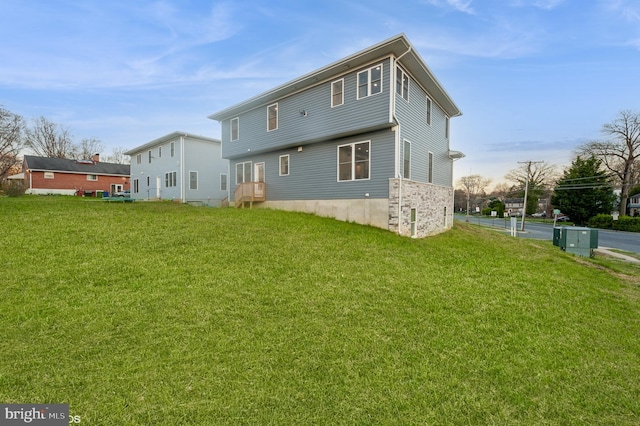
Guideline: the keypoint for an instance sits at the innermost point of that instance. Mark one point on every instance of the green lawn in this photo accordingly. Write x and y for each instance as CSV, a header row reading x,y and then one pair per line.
x,y
167,314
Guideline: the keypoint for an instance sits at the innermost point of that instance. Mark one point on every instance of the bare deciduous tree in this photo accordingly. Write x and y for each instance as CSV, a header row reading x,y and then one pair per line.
x,y
87,148
11,129
619,152
117,156
48,139
474,187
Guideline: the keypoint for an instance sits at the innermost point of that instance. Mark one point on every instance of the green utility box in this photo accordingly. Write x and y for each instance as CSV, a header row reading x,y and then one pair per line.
x,y
576,240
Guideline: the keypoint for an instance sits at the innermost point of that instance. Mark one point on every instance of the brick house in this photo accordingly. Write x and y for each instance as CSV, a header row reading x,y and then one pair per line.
x,y
62,176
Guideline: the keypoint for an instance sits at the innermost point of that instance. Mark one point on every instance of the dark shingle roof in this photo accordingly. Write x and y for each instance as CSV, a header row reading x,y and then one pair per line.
x,y
75,166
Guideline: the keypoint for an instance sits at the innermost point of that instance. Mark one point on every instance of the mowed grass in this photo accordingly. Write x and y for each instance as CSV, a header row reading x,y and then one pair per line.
x,y
167,314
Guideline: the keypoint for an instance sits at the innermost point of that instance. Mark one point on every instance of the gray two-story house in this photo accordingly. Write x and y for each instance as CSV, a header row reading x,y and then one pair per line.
x,y
364,139
180,167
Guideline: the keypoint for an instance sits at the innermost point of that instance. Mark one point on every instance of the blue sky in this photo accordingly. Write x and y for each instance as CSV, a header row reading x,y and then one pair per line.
x,y
533,78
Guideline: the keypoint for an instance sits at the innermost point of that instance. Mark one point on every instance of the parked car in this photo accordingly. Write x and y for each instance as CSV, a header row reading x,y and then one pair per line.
x,y
125,193
563,219
543,214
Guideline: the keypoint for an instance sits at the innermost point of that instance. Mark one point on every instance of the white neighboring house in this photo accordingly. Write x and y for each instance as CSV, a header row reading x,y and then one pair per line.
x,y
180,167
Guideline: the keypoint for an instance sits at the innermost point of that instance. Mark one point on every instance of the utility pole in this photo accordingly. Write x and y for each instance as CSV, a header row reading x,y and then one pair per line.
x,y
526,189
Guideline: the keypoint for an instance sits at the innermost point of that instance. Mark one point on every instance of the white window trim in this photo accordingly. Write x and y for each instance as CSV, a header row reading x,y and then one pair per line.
x,y
197,178
353,162
149,156
429,110
368,71
49,175
171,179
136,186
446,127
225,180
160,151
288,157
237,120
139,159
268,120
92,180
430,167
403,74
341,94
244,163
173,148
413,222
404,148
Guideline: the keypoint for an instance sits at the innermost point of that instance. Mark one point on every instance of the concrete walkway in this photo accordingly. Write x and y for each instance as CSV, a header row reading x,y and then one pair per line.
x,y
609,252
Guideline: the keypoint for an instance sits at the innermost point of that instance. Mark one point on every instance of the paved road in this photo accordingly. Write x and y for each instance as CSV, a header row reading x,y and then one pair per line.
x,y
627,241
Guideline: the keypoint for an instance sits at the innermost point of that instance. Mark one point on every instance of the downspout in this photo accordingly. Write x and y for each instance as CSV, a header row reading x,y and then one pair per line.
x,y
182,177
398,173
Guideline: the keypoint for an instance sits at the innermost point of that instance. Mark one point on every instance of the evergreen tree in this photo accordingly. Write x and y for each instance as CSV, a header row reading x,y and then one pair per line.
x,y
584,191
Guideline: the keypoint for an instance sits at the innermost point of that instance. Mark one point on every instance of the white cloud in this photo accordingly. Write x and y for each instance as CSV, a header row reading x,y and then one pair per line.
x,y
463,6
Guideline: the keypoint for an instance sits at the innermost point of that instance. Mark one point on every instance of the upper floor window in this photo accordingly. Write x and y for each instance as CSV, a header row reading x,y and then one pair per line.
x,y
402,84
235,129
370,81
92,177
446,127
429,107
406,155
48,175
337,93
149,155
159,152
138,158
272,117
353,161
284,165
173,148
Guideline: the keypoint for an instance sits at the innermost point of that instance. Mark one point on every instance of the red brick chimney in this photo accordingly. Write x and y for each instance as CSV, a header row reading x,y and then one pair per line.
x,y
95,158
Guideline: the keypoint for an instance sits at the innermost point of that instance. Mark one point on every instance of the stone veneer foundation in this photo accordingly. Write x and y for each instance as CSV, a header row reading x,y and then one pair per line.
x,y
433,204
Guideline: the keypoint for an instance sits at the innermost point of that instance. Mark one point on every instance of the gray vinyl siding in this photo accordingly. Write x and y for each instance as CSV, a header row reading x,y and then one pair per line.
x,y
424,138
200,156
321,121
313,171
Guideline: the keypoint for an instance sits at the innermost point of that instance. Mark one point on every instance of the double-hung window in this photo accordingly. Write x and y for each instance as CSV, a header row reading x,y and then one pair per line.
x,y
406,155
193,180
353,161
284,165
370,81
402,84
446,127
272,117
223,182
235,129
337,93
173,148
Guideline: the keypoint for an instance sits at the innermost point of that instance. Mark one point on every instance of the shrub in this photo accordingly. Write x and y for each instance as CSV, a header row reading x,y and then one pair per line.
x,y
627,223
14,188
603,221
